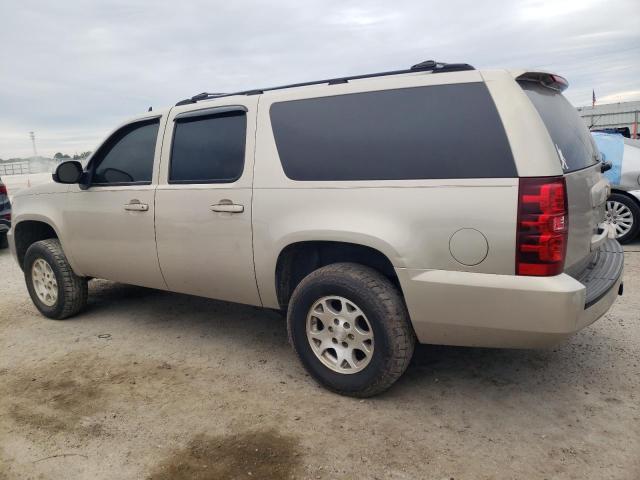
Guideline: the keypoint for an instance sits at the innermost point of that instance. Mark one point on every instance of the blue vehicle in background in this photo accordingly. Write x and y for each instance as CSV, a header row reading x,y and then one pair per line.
x,y
623,206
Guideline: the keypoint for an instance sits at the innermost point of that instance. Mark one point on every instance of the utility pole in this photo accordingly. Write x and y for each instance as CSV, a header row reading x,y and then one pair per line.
x,y
32,135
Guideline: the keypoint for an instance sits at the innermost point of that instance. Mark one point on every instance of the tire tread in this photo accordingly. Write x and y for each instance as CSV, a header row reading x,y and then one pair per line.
x,y
635,212
74,288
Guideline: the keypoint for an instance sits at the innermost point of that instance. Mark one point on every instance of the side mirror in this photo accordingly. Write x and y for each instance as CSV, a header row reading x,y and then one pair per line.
x,y
68,172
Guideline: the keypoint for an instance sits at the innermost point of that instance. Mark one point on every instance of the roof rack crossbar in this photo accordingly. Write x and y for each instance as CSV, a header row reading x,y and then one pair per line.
x,y
429,65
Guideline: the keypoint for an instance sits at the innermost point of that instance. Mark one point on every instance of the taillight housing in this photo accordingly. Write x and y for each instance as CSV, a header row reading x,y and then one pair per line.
x,y
543,226
3,189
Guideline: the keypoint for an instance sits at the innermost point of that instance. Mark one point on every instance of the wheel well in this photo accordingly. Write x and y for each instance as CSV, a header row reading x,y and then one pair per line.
x,y
29,232
298,260
626,194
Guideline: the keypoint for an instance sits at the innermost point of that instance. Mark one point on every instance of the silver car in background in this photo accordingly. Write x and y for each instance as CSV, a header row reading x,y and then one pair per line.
x,y
623,206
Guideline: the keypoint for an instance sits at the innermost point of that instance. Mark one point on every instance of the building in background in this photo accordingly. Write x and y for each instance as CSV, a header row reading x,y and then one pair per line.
x,y
625,115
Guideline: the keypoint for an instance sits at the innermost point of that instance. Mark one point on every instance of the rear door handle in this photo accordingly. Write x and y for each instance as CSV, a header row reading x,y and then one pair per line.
x,y
227,208
136,206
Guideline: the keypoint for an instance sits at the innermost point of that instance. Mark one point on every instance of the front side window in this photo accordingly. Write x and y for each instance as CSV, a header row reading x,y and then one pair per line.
x,y
208,149
127,157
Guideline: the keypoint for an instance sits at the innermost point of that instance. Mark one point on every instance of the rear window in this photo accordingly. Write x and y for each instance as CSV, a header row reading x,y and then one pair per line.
x,y
567,130
444,131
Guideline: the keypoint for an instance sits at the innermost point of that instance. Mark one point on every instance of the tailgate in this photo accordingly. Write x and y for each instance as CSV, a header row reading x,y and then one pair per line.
x,y
587,189
587,193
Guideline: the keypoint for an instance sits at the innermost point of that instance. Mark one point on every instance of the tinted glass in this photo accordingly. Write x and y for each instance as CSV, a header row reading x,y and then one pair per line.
x,y
567,130
444,131
127,157
208,149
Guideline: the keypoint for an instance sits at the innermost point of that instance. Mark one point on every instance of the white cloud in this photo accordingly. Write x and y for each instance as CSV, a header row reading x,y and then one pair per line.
x,y
554,10
73,70
617,97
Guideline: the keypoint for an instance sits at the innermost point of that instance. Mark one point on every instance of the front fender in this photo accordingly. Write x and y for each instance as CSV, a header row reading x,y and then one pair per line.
x,y
47,209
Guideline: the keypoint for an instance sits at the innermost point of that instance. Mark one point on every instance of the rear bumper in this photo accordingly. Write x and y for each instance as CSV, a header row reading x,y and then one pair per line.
x,y
487,310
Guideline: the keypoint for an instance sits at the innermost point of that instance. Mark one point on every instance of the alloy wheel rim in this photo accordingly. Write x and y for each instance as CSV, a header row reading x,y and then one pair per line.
x,y
619,218
44,282
340,334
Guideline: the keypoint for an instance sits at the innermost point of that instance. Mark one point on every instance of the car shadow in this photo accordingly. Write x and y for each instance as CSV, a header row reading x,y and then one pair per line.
x,y
463,369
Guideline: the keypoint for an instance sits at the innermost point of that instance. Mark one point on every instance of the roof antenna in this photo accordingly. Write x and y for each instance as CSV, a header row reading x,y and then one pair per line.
x,y
150,108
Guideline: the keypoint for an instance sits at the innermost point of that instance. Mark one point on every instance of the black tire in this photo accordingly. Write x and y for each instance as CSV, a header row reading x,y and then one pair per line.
x,y
384,307
3,240
72,289
635,215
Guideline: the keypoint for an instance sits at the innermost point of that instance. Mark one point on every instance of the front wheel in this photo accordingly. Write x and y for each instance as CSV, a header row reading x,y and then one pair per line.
x,y
350,328
623,217
53,286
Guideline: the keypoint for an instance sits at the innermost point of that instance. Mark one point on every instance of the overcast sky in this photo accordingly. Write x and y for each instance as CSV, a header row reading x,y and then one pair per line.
x,y
71,70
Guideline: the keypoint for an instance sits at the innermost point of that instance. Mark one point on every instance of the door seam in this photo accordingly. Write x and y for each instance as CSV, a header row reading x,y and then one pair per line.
x,y
155,201
253,179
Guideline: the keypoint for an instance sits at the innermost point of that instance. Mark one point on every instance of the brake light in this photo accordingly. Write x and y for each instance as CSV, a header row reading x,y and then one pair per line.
x,y
543,221
549,80
3,189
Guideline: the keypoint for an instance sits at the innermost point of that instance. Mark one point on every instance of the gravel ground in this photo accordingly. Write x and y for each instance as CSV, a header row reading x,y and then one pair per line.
x,y
149,384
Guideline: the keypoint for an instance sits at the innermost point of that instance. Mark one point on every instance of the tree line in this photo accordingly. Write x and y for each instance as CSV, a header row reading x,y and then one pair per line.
x,y
64,156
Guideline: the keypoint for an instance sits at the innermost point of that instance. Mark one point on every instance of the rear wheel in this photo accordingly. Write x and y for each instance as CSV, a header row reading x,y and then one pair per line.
x,y
623,217
54,289
350,328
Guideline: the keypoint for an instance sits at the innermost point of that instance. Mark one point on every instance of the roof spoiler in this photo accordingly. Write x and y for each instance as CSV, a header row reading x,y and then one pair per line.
x,y
549,80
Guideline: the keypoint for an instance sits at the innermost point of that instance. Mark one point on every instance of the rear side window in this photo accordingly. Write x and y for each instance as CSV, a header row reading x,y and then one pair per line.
x,y
444,131
208,149
567,130
127,156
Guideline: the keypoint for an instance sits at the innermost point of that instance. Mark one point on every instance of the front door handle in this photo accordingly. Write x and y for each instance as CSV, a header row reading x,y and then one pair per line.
x,y
135,206
227,207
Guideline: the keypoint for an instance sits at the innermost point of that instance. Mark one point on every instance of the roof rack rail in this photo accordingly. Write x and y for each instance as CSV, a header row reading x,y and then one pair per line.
x,y
427,66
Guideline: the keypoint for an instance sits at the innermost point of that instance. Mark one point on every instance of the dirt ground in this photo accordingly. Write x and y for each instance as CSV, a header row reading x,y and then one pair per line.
x,y
149,384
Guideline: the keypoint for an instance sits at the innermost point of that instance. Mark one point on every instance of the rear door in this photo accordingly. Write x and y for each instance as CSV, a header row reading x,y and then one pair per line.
x,y
203,201
587,189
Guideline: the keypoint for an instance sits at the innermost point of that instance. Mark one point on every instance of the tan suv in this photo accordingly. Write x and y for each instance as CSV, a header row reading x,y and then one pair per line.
x,y
440,204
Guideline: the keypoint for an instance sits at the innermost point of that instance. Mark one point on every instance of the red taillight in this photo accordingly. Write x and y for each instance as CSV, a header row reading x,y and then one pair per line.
x,y
3,189
541,237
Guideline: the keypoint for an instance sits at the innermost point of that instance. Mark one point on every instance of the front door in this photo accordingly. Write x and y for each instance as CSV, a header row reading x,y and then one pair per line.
x,y
203,202
111,223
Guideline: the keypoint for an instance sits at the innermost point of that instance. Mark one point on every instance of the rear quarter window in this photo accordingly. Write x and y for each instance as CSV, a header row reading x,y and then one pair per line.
x,y
567,130
435,132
